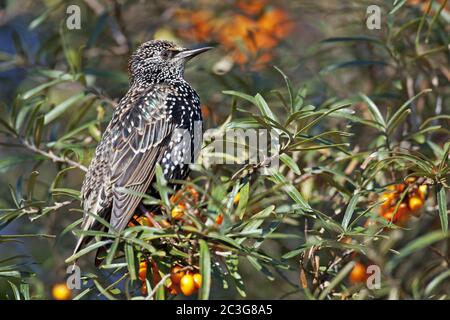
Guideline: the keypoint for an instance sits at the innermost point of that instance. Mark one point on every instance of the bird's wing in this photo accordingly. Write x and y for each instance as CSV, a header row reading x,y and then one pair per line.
x,y
127,155
143,135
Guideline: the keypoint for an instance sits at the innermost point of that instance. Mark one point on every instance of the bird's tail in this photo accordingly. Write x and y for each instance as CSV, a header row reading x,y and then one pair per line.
x,y
88,224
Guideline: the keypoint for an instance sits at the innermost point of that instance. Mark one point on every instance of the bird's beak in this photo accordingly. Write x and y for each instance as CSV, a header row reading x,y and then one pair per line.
x,y
189,54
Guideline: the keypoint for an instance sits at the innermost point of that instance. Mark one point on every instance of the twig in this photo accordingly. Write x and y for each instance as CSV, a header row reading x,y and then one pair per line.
x,y
54,157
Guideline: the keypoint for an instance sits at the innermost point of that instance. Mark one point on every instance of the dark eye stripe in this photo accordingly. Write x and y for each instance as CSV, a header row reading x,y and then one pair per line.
x,y
167,54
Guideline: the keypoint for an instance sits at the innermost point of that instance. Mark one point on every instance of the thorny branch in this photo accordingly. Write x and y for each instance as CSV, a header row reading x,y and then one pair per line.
x,y
54,157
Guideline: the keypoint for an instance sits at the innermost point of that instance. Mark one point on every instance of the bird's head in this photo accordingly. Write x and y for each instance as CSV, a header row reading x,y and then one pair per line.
x,y
157,61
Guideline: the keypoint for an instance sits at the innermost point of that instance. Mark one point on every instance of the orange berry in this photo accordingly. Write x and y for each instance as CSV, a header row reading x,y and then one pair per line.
x,y
403,211
358,273
219,219
415,203
391,187
176,274
422,191
410,180
155,271
400,187
187,285
60,291
165,224
193,192
346,240
178,212
144,289
237,197
401,215
142,271
144,221
387,199
174,289
197,280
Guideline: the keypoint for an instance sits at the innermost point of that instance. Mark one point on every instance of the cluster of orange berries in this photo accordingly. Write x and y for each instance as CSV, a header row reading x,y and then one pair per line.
x,y
183,199
178,212
249,33
182,280
410,205
425,3
186,282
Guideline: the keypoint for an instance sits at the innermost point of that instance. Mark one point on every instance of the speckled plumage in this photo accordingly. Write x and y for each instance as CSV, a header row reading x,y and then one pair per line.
x,y
146,129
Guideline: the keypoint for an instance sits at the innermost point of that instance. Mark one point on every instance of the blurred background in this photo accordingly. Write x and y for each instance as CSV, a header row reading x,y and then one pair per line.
x,y
324,46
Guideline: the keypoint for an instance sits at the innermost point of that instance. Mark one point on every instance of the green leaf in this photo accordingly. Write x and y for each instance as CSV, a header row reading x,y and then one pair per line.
x,y
243,200
86,250
377,116
338,106
264,107
129,256
353,63
16,160
240,95
291,191
31,184
62,107
287,160
300,98
444,161
397,5
112,251
415,245
442,203
205,270
399,112
435,282
25,289
67,192
39,128
103,290
349,211
15,290
289,88
28,94
397,121
352,39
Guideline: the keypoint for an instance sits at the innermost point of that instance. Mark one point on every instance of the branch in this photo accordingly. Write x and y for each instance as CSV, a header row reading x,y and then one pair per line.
x,y
54,157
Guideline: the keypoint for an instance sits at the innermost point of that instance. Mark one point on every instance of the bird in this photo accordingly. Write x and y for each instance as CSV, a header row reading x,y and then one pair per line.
x,y
158,121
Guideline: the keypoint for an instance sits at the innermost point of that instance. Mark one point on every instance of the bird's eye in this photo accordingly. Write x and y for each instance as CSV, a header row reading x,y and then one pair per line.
x,y
166,54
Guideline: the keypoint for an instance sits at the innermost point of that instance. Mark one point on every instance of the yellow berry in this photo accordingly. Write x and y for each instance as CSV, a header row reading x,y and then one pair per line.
x,y
422,191
237,197
358,273
178,212
415,203
60,291
197,280
187,285
142,271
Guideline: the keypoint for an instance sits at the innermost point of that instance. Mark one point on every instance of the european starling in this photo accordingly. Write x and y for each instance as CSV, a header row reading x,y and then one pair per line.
x,y
148,127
